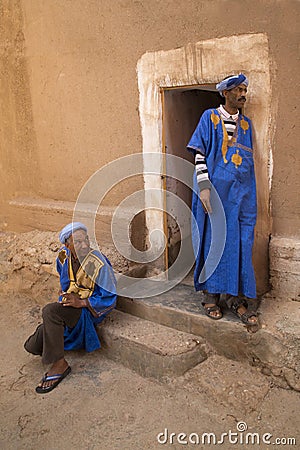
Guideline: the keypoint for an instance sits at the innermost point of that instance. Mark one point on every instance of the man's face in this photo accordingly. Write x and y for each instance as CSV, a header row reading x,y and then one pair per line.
x,y
79,244
236,97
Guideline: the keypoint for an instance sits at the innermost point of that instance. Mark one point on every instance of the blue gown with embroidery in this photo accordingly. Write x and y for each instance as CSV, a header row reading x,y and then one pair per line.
x,y
231,171
95,282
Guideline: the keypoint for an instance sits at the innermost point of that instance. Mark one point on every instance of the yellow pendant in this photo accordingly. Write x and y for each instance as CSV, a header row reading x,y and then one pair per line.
x,y
237,159
244,125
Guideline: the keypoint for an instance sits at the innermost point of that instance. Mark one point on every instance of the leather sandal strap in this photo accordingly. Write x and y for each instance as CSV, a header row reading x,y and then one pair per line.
x,y
247,315
236,303
212,308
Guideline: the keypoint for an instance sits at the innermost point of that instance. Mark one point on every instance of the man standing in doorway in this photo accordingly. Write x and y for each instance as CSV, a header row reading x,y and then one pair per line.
x,y
222,146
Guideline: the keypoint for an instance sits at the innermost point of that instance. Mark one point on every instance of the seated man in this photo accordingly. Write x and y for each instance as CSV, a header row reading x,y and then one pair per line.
x,y
88,294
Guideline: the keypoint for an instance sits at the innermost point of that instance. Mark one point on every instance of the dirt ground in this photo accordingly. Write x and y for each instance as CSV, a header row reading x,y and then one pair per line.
x,y
103,405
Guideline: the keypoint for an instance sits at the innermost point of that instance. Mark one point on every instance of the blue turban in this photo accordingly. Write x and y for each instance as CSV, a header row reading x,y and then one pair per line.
x,y
232,82
69,229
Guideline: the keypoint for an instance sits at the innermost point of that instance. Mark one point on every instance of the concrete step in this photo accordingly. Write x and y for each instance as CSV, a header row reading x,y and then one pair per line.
x,y
148,348
275,347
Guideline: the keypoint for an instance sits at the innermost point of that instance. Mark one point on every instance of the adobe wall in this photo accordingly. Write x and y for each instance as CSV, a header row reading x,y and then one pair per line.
x,y
19,157
69,94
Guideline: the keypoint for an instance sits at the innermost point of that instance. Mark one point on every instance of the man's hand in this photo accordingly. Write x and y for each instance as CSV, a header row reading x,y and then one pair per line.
x,y
205,200
73,300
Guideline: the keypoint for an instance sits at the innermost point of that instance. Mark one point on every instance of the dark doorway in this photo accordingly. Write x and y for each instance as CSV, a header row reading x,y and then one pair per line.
x,y
182,110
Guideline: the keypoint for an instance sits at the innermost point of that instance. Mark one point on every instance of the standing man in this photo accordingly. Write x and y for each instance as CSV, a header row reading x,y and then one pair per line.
x,y
88,294
222,146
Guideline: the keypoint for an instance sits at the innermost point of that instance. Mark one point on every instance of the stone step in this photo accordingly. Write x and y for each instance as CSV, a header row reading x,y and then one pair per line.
x,y
148,348
274,347
180,309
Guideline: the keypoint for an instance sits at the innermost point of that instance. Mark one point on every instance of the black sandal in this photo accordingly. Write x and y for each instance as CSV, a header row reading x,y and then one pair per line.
x,y
246,316
235,305
210,309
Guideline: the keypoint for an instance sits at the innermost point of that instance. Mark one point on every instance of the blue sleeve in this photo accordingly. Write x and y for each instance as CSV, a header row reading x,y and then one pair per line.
x,y
58,266
62,269
199,141
251,140
104,296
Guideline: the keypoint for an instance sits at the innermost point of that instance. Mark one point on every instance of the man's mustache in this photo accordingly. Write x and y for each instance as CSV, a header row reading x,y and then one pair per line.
x,y
242,98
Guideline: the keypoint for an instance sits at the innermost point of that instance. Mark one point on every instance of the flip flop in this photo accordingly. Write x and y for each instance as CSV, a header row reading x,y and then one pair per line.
x,y
58,378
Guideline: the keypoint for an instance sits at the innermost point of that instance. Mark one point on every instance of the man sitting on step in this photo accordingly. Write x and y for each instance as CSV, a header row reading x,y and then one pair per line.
x,y
88,294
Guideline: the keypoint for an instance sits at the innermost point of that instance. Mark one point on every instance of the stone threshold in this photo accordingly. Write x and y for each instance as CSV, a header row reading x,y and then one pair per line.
x,y
275,347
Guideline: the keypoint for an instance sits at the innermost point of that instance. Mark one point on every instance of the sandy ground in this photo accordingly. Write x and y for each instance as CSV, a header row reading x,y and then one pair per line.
x,y
103,405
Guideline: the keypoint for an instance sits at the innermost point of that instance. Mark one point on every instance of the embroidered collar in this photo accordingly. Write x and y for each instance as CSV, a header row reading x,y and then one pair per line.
x,y
227,115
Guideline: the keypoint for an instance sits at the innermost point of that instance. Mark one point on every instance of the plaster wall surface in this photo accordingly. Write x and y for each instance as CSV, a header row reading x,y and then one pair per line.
x,y
73,64
18,147
69,93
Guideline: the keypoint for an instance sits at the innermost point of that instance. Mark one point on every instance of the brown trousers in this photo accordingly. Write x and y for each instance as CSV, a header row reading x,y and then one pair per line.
x,y
48,339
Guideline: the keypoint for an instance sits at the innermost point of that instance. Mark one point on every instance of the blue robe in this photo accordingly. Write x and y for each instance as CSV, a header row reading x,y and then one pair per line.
x,y
231,171
95,282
